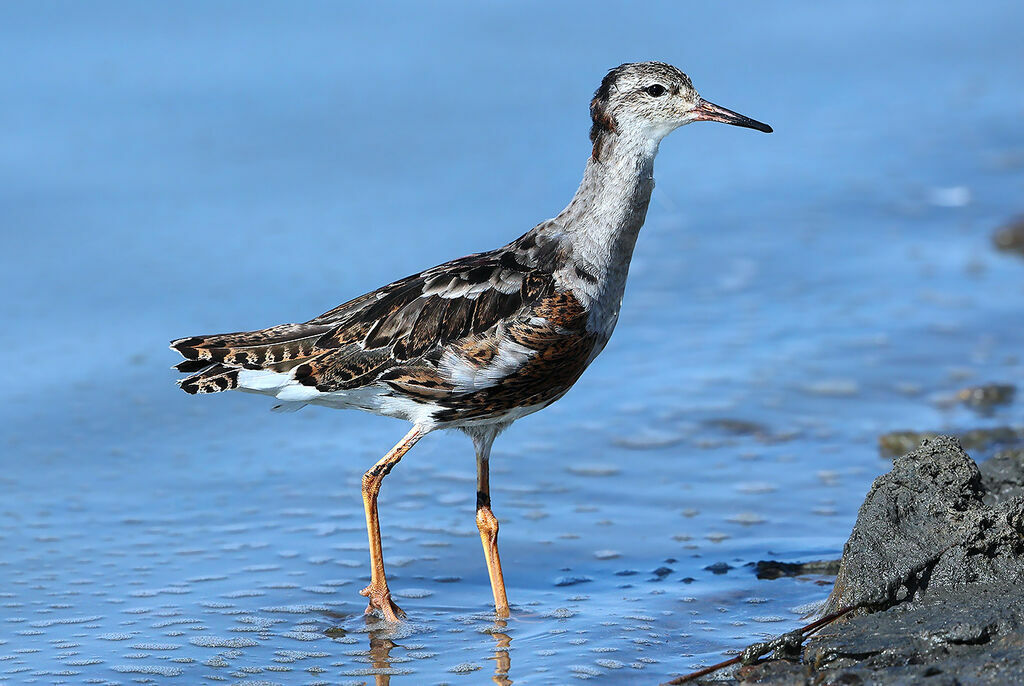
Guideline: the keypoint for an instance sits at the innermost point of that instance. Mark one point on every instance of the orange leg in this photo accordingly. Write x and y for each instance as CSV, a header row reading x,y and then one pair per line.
x,y
377,591
487,523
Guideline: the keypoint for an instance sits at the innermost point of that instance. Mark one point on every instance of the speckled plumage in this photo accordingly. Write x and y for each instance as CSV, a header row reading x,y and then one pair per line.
x,y
483,340
457,340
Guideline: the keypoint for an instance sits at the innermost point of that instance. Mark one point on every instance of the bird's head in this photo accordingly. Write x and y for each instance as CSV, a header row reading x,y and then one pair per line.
x,y
651,99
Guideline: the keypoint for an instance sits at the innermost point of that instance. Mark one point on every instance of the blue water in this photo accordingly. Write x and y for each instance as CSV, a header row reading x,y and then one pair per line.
x,y
168,170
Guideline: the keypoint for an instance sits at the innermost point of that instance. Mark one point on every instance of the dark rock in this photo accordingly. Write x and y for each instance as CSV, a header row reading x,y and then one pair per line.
x,y
775,672
719,568
924,526
738,427
963,636
743,427
1003,474
936,564
772,569
572,580
946,616
973,638
1010,238
986,397
897,443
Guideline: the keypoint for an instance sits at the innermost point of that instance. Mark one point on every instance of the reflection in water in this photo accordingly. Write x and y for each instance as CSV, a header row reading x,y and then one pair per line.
x,y
380,655
381,645
502,660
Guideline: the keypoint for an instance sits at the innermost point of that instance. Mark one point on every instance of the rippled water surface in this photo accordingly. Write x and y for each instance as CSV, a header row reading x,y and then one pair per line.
x,y
172,170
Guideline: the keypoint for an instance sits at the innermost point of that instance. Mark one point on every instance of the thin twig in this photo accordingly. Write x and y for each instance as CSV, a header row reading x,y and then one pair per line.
x,y
751,654
702,672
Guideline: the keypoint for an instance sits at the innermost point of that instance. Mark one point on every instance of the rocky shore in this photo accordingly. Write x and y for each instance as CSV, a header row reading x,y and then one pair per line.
x,y
935,568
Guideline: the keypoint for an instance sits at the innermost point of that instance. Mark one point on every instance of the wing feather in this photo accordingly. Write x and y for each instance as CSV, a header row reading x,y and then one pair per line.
x,y
411,319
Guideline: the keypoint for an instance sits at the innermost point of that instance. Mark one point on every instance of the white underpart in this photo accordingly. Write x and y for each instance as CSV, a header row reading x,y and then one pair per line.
x,y
376,398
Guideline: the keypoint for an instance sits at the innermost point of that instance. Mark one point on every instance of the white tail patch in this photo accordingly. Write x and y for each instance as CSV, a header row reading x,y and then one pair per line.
x,y
262,379
278,384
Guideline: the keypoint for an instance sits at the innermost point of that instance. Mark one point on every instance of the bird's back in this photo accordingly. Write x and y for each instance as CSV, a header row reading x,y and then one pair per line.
x,y
469,340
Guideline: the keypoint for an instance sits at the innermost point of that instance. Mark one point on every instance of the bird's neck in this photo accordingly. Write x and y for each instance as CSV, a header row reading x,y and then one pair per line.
x,y
604,217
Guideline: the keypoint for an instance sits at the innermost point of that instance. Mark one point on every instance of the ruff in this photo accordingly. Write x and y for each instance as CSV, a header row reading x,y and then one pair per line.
x,y
480,341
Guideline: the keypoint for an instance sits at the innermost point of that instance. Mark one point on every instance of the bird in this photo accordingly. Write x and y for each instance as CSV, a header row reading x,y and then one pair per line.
x,y
478,342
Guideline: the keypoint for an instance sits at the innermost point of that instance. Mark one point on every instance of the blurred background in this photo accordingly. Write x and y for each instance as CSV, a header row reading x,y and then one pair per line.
x,y
177,169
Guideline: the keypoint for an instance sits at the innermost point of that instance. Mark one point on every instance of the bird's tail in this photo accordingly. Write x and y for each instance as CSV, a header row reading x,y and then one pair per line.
x,y
212,379
215,361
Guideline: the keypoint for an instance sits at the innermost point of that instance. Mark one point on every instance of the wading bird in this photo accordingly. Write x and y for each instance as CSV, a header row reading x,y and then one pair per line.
x,y
476,343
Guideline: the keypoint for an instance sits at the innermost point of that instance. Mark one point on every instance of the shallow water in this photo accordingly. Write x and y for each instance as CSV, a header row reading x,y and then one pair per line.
x,y
792,297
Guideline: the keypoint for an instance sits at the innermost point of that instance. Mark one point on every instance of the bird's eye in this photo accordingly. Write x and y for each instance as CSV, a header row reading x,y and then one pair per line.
x,y
655,90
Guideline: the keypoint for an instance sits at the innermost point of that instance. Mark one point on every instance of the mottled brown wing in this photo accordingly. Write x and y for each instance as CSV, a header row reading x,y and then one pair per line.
x,y
357,341
554,327
419,316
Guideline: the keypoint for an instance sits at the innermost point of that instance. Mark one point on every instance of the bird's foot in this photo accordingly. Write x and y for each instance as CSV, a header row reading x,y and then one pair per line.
x,y
380,600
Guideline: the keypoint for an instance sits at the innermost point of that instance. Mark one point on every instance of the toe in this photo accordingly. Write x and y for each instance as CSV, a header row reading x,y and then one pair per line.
x,y
380,601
